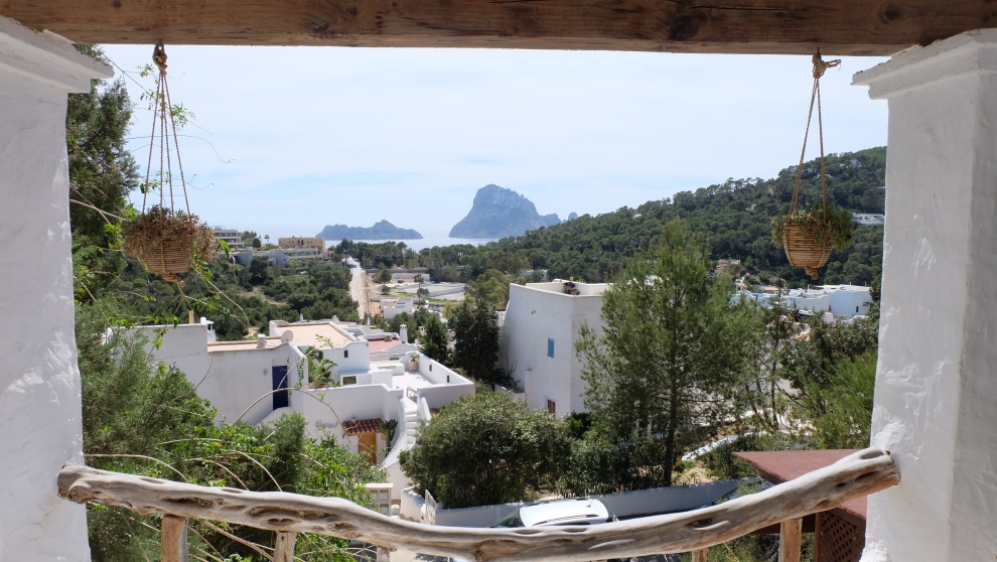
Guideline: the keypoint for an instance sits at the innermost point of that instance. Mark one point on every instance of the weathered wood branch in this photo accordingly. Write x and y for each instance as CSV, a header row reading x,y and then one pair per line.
x,y
856,475
841,27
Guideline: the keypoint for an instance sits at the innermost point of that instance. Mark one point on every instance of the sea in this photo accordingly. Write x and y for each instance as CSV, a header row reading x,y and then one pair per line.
x,y
427,242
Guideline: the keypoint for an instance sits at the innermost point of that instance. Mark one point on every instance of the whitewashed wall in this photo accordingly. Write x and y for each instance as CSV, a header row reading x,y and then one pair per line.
x,y
40,423
936,389
532,316
232,380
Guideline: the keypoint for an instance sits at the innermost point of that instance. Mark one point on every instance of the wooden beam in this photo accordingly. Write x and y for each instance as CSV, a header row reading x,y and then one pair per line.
x,y
837,27
856,475
791,540
701,555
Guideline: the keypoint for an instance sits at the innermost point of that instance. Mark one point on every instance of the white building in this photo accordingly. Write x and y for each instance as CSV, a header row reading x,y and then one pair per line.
x,y
393,307
840,300
259,381
230,236
869,219
538,336
281,256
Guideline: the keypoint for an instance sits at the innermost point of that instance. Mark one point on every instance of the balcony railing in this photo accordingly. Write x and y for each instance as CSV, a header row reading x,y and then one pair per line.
x,y
856,475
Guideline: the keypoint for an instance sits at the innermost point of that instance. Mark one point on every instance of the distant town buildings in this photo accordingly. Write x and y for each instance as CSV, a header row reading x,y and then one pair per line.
x,y
230,236
869,219
538,337
723,265
839,300
281,257
296,242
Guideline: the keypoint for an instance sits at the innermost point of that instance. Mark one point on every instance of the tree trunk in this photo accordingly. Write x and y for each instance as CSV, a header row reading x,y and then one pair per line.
x,y
673,420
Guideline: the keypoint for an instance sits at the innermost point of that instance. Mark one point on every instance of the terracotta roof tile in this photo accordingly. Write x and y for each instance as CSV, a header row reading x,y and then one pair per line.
x,y
362,426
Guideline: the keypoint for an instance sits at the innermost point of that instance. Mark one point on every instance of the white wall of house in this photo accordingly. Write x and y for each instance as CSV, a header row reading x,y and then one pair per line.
x,y
40,412
404,305
536,313
849,300
231,379
326,409
350,359
447,384
936,390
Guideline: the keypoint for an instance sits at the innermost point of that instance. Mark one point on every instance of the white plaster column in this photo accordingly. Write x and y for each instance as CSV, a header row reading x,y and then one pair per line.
x,y
936,381
40,426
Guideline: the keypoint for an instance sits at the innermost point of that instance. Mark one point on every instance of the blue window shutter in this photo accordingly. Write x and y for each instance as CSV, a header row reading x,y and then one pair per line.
x,y
550,347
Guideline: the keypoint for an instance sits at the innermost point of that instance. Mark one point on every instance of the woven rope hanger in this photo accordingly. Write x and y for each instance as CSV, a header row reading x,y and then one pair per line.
x,y
820,66
162,106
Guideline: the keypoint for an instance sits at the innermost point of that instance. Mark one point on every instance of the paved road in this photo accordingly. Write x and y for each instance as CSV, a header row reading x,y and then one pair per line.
x,y
358,290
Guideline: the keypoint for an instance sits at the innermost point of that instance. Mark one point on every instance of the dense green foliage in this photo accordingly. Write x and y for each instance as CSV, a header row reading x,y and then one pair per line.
x,y
476,348
487,449
145,418
102,173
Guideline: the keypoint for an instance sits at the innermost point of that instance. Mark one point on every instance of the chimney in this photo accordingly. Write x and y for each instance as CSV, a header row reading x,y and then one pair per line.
x,y
403,333
261,342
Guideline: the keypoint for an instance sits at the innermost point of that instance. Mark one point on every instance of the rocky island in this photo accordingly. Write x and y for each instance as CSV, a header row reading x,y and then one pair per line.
x,y
498,212
382,230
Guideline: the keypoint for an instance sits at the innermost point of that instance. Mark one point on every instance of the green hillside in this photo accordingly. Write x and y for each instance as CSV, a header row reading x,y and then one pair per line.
x,y
735,216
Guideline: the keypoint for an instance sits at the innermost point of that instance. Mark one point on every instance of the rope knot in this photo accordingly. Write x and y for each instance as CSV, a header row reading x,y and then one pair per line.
x,y
820,65
159,57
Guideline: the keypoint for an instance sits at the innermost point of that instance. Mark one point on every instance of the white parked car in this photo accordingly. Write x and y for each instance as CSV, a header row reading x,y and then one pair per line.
x,y
555,514
561,512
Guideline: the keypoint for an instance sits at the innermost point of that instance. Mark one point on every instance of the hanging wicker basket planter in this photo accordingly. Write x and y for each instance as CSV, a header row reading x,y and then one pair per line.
x,y
168,241
803,251
809,235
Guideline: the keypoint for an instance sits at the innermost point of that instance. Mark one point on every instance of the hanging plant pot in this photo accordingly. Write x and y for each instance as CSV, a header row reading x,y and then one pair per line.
x,y
809,235
167,240
167,243
803,251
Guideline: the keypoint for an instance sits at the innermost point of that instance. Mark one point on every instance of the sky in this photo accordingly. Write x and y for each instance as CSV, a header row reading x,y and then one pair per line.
x,y
286,140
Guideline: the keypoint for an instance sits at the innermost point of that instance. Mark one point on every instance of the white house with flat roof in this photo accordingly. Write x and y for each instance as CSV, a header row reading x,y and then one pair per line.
x,y
840,300
537,341
260,380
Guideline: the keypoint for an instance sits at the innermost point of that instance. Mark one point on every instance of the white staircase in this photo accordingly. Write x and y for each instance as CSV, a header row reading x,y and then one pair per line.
x,y
411,423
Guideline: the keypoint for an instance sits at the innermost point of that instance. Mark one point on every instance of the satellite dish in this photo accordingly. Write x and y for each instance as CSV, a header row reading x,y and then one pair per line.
x,y
287,336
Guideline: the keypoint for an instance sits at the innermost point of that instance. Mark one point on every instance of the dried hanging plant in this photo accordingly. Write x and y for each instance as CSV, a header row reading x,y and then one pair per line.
x,y
167,240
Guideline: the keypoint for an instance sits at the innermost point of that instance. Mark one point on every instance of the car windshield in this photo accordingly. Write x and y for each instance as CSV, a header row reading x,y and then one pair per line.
x,y
509,522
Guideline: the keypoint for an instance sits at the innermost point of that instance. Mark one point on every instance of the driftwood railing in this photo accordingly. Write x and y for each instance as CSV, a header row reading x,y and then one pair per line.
x,y
856,475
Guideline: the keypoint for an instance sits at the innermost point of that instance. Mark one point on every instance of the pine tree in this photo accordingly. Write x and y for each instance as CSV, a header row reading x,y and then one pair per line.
x,y
660,373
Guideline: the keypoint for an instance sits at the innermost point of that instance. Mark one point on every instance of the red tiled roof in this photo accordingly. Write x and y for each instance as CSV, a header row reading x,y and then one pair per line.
x,y
381,345
362,426
781,466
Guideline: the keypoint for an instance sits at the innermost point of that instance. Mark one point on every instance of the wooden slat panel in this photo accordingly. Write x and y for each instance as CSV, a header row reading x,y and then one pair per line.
x,y
174,539
839,27
284,549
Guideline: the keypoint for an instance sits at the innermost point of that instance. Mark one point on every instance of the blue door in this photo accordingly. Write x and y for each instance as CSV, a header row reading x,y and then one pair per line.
x,y
279,382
